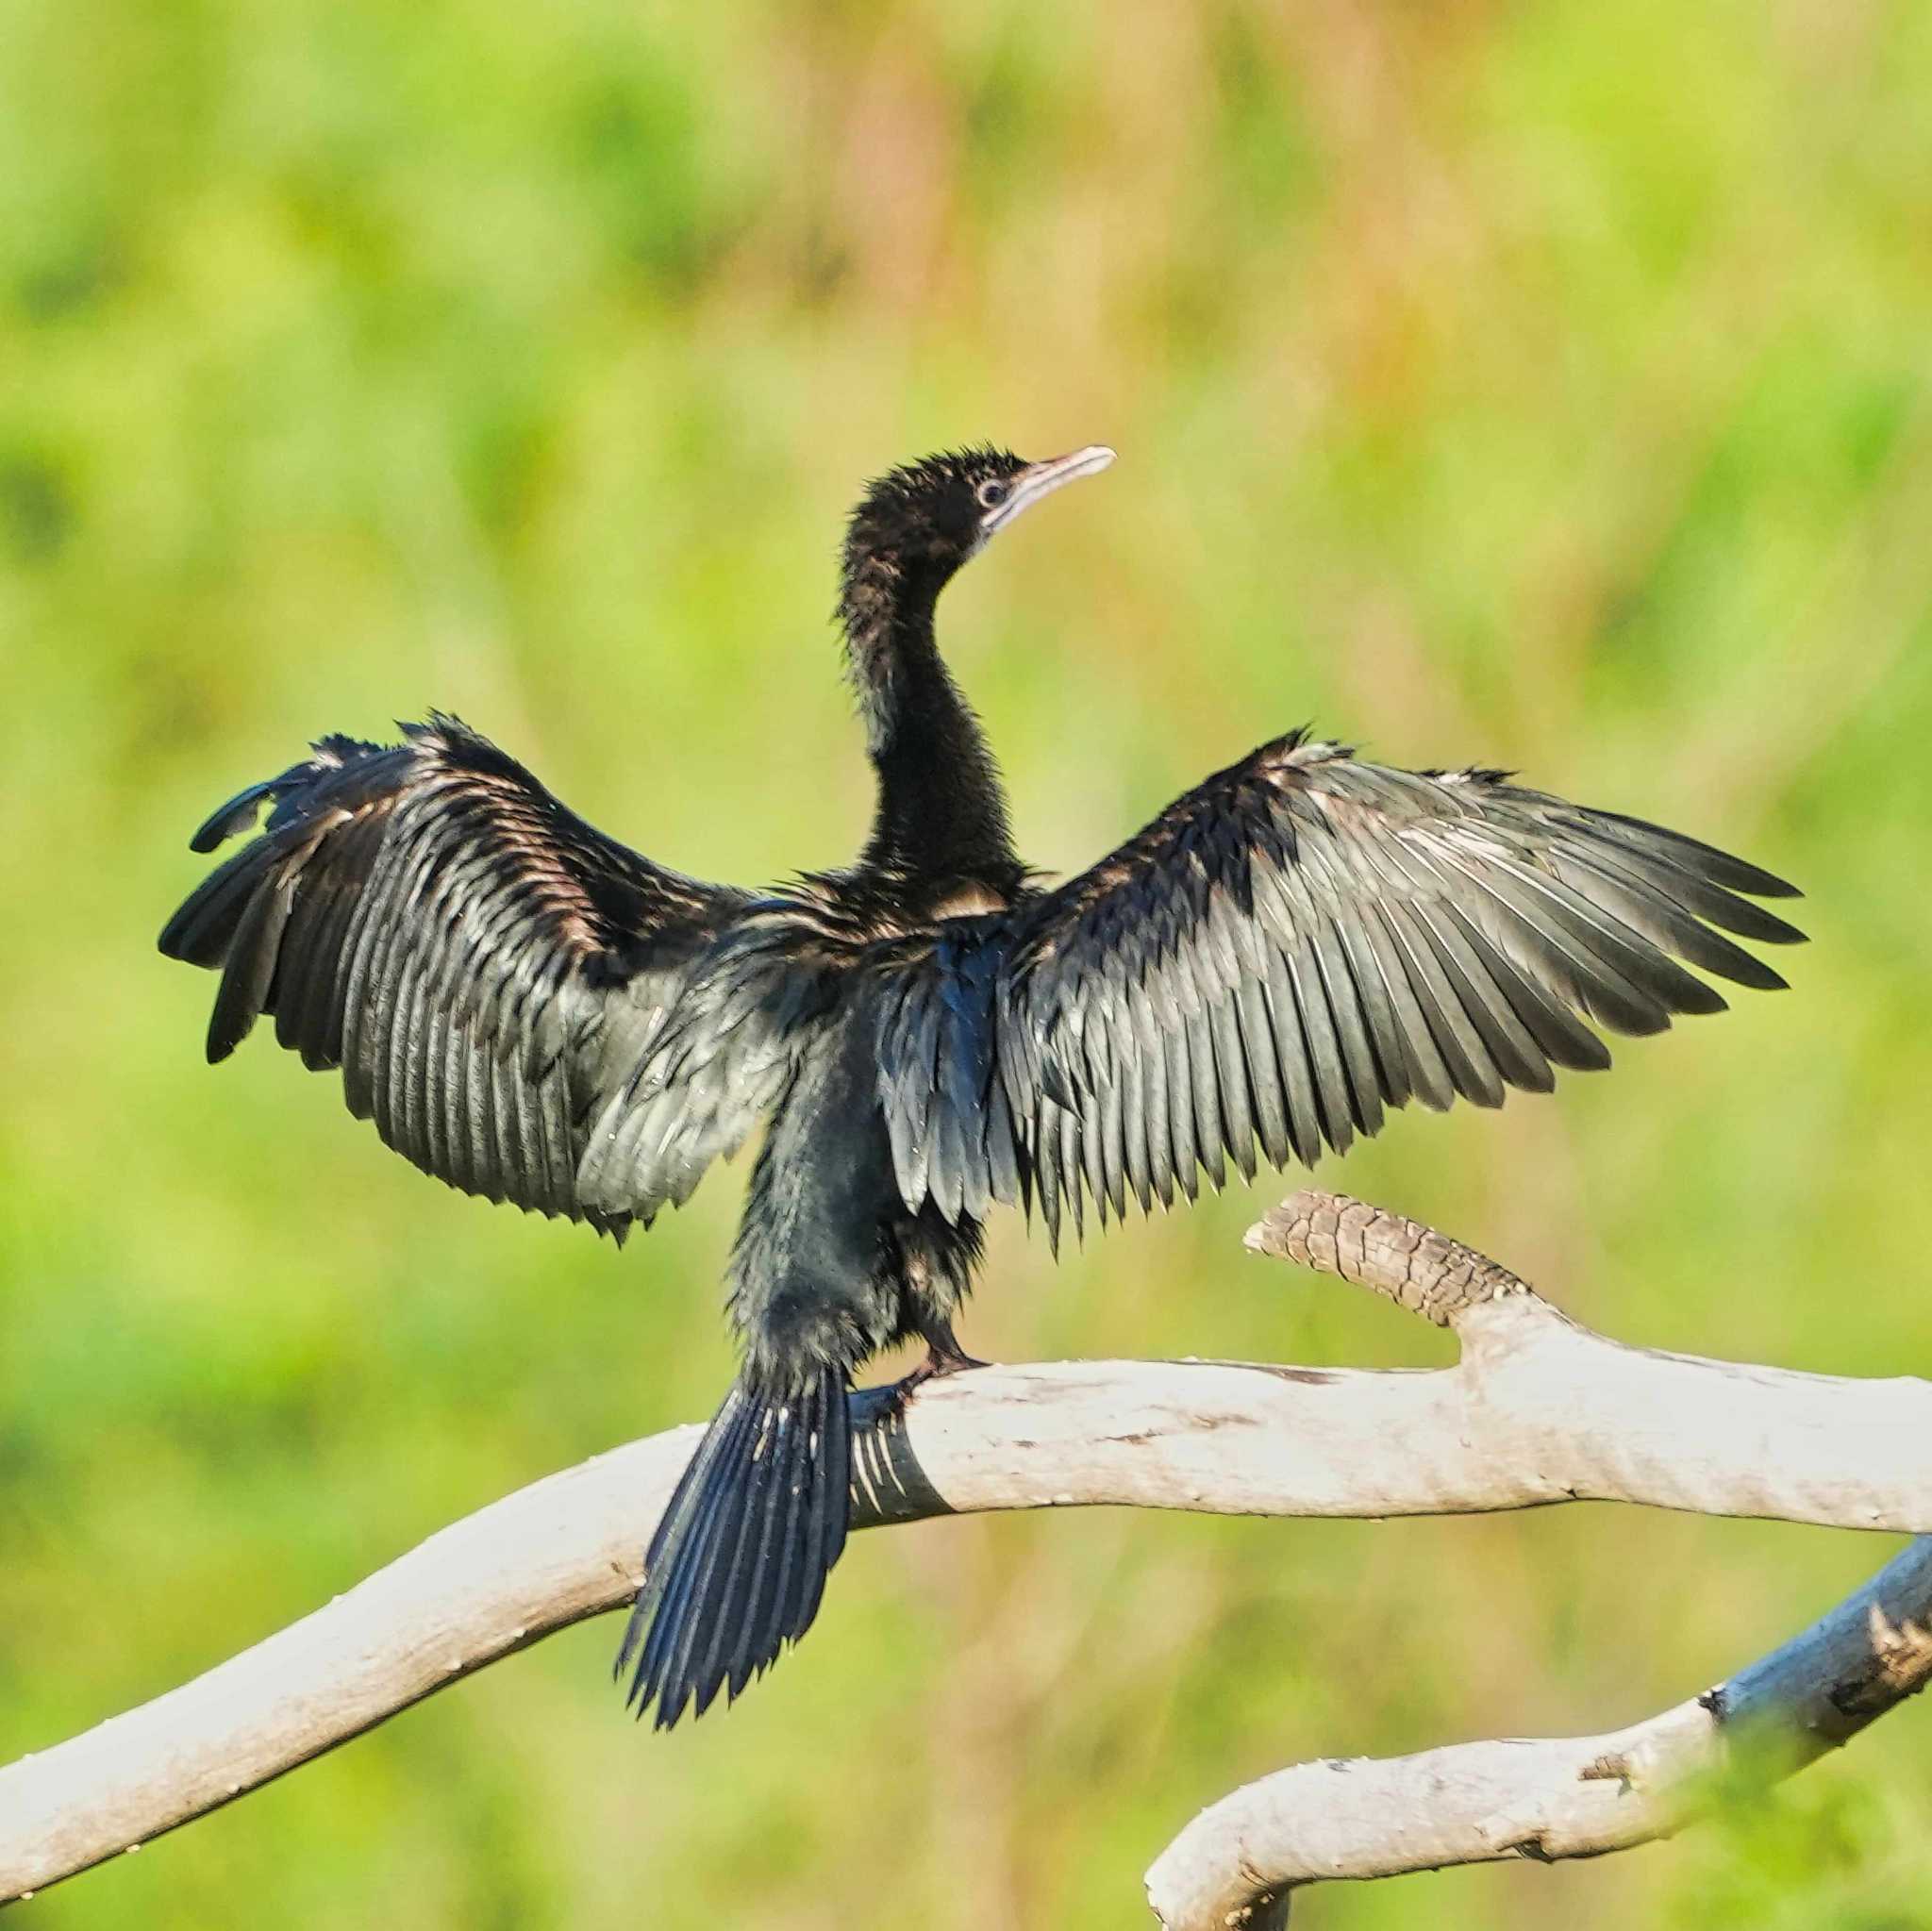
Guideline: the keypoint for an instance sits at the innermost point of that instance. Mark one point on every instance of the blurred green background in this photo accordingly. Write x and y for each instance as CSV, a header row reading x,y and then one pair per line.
x,y
1541,384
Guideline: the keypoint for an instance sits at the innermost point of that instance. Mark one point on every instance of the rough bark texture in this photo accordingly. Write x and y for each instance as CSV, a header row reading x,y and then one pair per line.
x,y
1537,1411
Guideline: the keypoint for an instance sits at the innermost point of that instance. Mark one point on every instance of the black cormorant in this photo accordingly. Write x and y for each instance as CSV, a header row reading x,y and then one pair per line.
x,y
536,1013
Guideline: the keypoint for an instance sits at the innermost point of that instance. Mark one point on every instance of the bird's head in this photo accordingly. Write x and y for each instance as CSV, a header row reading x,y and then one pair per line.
x,y
916,525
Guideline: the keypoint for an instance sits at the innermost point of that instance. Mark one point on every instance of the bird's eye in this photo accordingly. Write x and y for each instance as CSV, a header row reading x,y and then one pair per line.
x,y
991,493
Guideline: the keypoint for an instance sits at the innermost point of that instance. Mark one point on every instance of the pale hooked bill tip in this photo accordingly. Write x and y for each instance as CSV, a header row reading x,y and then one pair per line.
x,y
1056,470
1076,462
1040,479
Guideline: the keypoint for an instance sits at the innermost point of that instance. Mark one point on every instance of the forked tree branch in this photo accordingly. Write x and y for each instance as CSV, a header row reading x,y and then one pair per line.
x,y
1537,1411
1238,1862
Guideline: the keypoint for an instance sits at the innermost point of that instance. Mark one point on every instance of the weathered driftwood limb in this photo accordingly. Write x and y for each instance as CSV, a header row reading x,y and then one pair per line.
x,y
1537,1411
1235,1867
1237,1864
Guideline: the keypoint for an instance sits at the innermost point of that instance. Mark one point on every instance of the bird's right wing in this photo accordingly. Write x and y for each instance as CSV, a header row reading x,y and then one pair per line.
x,y
487,971
1294,946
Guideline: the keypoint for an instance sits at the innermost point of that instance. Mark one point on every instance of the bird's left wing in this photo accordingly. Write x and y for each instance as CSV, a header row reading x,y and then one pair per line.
x,y
1294,946
492,975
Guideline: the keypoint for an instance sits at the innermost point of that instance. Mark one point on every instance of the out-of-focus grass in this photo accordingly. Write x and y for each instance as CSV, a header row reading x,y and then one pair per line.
x,y
1545,384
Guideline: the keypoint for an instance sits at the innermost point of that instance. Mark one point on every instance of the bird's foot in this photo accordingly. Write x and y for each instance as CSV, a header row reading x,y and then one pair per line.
x,y
944,1355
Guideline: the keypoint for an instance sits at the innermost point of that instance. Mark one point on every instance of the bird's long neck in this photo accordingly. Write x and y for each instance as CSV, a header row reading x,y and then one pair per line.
x,y
942,816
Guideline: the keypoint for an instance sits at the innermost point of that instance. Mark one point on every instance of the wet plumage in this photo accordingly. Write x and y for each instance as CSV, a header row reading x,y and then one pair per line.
x,y
534,1012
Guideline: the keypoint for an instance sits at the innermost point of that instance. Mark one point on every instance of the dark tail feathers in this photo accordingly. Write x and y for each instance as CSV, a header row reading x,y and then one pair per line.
x,y
739,1562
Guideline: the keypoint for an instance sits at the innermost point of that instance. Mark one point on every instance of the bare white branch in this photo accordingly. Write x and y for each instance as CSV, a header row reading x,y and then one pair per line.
x,y
1238,1862
1537,1411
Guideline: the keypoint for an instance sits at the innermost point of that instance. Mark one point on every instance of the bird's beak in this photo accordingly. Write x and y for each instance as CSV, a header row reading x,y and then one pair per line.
x,y
1040,480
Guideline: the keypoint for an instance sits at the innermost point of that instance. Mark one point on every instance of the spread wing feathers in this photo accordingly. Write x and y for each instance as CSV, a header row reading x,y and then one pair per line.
x,y
1301,944
719,1062
482,965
